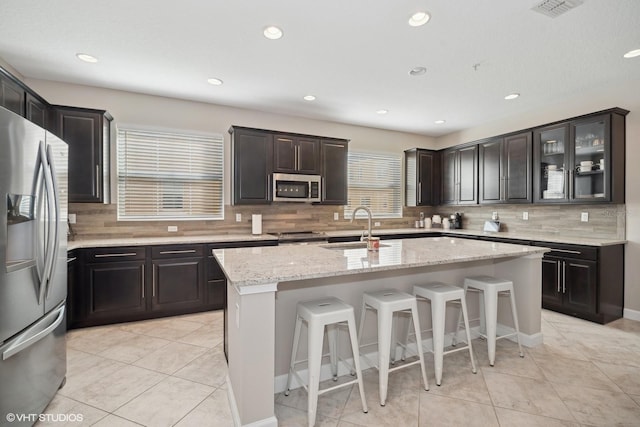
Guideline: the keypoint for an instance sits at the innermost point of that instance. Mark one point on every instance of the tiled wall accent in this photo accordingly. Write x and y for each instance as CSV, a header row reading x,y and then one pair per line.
x,y
95,221
605,221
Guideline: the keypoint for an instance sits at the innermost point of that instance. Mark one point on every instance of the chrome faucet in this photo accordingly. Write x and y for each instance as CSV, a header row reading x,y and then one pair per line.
x,y
353,216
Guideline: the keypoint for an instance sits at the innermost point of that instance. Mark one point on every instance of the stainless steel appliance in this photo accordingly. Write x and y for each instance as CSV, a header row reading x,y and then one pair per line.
x,y
33,272
289,187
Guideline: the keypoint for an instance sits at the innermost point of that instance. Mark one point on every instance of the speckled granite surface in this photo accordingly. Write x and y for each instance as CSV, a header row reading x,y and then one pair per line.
x,y
143,241
264,265
553,238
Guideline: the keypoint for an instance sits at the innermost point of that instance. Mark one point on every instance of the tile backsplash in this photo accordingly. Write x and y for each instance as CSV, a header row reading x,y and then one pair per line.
x,y
95,221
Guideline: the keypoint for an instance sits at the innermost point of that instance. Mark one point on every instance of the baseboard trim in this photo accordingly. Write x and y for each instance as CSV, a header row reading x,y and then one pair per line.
x,y
235,414
631,314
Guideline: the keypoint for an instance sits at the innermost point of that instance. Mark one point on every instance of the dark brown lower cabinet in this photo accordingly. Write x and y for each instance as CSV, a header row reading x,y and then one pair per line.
x,y
109,285
584,281
122,284
177,284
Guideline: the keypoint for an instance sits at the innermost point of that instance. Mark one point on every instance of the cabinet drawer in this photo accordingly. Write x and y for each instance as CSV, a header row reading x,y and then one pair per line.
x,y
127,253
570,251
176,251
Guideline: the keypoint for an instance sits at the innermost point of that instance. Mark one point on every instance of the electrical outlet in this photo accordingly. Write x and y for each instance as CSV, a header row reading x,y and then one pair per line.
x,y
72,218
584,217
336,216
238,217
525,216
376,224
172,228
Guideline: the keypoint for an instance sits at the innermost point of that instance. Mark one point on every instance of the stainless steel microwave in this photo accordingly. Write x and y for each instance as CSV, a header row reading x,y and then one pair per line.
x,y
289,187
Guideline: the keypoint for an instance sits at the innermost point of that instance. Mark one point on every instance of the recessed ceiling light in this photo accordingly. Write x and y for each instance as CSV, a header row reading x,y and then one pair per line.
x,y
272,32
381,112
417,71
214,81
86,58
632,53
440,122
512,96
419,18
309,98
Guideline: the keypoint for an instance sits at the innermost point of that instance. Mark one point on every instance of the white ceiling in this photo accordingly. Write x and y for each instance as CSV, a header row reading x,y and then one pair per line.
x,y
353,55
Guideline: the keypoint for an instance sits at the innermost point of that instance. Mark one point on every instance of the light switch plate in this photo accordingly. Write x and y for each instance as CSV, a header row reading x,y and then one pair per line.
x,y
72,218
376,224
584,217
525,216
336,216
172,228
238,217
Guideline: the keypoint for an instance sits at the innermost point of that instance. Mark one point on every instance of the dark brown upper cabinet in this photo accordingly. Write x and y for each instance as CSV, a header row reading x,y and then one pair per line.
x,y
12,95
36,110
422,177
296,154
460,175
505,169
88,133
581,160
252,164
334,157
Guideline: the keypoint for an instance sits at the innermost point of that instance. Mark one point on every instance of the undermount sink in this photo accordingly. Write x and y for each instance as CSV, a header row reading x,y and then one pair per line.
x,y
350,245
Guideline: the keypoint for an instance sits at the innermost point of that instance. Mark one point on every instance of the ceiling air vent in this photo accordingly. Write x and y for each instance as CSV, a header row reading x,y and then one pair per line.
x,y
555,8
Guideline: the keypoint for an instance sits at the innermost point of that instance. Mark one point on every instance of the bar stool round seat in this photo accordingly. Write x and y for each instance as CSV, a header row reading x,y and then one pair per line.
x,y
439,294
490,288
386,303
318,314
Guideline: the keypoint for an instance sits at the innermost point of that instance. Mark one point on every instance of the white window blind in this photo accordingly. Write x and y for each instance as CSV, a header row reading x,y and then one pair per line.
x,y
375,182
173,176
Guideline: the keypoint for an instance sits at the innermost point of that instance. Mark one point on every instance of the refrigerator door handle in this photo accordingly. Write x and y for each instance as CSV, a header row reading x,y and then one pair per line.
x,y
50,220
33,334
39,187
55,229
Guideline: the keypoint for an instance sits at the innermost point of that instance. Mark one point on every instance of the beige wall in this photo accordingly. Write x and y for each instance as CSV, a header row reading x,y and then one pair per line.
x,y
626,98
132,108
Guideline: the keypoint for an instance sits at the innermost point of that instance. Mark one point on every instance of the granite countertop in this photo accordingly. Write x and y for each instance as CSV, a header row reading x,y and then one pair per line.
x,y
222,238
272,264
166,240
538,237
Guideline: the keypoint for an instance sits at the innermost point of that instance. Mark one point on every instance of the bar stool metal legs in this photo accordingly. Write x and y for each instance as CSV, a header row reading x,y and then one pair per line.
x,y
439,294
386,303
491,288
318,314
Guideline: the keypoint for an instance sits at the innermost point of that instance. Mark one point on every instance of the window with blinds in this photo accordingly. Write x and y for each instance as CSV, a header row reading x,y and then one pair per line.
x,y
169,176
375,182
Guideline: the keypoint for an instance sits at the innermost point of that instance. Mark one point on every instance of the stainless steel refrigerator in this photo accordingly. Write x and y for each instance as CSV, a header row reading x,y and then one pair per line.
x,y
33,272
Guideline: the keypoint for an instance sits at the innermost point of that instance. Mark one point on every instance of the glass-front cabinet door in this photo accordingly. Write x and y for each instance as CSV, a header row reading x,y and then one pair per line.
x,y
591,148
552,162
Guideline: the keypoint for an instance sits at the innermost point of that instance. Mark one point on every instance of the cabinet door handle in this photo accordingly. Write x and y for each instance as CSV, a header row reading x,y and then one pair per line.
x,y
566,251
297,157
153,283
98,181
419,192
558,271
564,276
570,195
143,282
184,251
578,265
115,255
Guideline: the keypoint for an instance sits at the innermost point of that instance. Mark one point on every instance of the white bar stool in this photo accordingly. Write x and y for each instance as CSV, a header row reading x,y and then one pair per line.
x,y
329,312
386,303
491,288
439,294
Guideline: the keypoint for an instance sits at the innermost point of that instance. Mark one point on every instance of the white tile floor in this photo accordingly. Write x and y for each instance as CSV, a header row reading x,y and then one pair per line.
x,y
172,371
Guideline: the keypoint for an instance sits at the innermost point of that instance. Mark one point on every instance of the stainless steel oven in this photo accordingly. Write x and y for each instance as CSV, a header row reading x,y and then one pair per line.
x,y
296,188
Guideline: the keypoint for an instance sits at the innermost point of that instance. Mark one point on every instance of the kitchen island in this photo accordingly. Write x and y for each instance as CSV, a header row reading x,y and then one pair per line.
x,y
265,283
